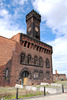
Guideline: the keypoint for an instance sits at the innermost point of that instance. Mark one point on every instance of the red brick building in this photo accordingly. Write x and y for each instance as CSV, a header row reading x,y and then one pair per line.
x,y
58,77
24,58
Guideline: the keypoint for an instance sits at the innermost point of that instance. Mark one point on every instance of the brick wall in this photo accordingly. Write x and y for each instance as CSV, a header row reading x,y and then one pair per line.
x,y
7,47
11,50
58,77
17,67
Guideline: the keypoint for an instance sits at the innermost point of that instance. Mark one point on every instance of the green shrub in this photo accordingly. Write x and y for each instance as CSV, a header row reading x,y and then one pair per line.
x,y
62,79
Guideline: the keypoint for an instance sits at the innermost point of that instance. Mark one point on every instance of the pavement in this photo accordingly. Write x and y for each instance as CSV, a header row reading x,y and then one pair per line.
x,y
62,96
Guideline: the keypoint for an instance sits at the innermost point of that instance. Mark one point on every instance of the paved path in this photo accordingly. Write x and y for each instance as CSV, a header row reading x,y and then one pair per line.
x,y
51,97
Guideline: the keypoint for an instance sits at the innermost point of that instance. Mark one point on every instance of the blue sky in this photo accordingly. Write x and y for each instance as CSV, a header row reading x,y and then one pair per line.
x,y
53,27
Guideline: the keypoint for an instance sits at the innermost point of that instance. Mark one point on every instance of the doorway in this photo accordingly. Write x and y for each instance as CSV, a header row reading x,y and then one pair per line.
x,y
25,77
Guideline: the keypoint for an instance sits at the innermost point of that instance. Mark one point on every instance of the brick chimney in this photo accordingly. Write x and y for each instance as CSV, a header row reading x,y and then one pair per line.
x,y
56,72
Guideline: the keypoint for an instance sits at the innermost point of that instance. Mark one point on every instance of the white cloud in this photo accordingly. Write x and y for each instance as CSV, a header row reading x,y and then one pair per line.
x,y
3,13
55,14
19,2
60,54
8,30
54,11
9,22
8,26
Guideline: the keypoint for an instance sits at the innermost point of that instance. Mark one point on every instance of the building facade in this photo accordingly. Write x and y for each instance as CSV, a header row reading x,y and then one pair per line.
x,y
59,77
24,59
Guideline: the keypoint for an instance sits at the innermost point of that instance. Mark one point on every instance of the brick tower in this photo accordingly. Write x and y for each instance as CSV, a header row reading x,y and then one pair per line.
x,y
33,20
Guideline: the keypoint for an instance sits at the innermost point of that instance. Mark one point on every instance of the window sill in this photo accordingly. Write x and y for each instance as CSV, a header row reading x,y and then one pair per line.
x,y
31,65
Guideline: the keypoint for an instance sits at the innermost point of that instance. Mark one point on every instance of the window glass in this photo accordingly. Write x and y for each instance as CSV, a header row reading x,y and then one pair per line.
x,y
35,60
6,73
29,59
22,57
47,63
40,61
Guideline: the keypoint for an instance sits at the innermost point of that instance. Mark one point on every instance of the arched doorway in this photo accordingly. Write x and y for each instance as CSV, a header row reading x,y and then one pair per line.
x,y
25,77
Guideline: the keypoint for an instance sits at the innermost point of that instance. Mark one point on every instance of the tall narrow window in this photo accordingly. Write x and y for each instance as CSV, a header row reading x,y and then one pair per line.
x,y
29,59
6,73
35,60
48,75
47,63
40,61
22,58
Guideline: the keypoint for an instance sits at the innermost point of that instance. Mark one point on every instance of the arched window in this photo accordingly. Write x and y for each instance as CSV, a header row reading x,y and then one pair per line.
x,y
35,60
29,59
47,63
22,57
40,61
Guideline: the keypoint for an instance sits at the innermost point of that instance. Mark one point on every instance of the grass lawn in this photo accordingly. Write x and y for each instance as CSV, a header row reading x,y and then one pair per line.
x,y
10,93
58,82
62,82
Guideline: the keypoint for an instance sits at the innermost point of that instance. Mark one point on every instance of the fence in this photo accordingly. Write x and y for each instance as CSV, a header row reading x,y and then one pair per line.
x,y
28,91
